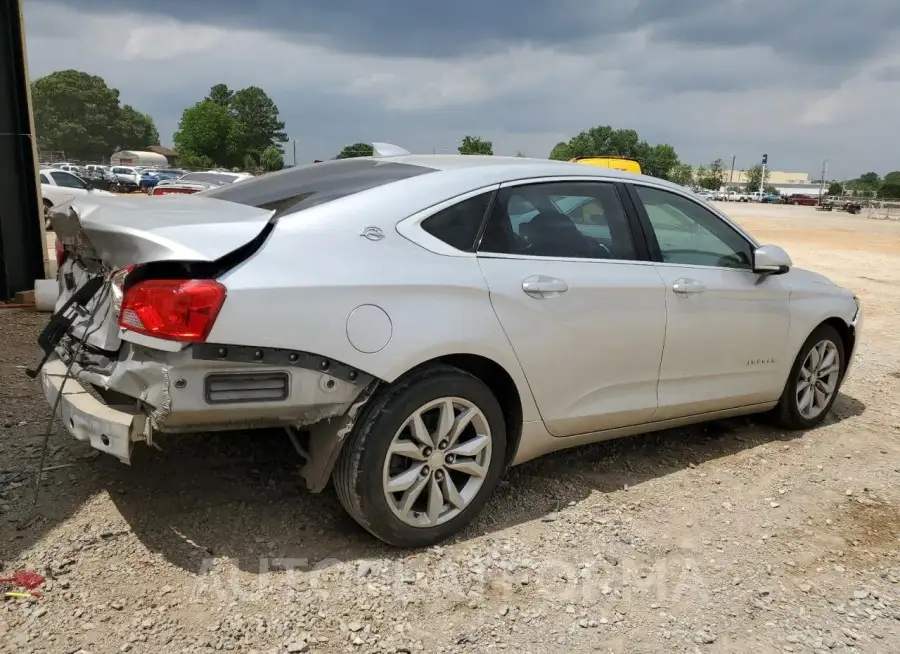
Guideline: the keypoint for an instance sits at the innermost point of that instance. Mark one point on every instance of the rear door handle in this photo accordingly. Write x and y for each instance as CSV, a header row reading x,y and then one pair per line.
x,y
541,286
686,286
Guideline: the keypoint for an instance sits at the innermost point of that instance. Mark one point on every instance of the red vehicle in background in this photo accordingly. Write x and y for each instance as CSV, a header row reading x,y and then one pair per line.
x,y
798,199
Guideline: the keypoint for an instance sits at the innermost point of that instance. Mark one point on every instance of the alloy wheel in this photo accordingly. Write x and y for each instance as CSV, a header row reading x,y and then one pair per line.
x,y
818,379
437,462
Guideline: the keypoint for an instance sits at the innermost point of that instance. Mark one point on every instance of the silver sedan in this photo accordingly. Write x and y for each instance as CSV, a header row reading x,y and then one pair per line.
x,y
418,324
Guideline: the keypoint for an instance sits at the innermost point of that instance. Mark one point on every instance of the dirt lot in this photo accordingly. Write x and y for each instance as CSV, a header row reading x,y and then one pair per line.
x,y
730,537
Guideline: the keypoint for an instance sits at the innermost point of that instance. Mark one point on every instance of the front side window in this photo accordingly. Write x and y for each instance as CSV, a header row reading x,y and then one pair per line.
x,y
690,234
583,220
67,180
458,226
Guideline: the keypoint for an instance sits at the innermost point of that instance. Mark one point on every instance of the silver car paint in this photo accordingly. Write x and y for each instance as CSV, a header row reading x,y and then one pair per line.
x,y
124,231
317,268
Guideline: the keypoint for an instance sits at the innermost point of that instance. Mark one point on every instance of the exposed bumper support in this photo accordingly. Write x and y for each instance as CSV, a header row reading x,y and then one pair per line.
x,y
108,429
326,439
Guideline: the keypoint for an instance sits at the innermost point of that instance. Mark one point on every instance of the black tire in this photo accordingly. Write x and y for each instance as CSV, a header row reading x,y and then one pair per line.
x,y
787,414
358,471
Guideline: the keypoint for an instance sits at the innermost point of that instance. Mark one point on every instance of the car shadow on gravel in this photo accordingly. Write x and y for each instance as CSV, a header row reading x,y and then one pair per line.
x,y
239,497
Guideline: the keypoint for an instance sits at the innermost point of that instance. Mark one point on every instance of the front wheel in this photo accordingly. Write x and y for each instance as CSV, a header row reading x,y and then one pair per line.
x,y
423,458
814,380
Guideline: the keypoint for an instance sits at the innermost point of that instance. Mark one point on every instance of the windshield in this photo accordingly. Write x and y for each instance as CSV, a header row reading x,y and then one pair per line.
x,y
210,178
294,189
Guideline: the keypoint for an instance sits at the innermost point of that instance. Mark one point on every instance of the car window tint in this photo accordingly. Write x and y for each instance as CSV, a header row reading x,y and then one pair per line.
x,y
295,189
560,219
67,180
458,226
690,234
44,179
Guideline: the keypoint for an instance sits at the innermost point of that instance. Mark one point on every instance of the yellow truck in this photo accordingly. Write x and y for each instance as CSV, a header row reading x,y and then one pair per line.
x,y
616,163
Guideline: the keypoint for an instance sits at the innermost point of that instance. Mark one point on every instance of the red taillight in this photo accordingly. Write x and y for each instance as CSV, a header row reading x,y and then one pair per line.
x,y
60,253
164,190
173,309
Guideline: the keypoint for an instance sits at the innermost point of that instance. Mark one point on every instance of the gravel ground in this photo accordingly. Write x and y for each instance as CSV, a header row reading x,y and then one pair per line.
x,y
728,537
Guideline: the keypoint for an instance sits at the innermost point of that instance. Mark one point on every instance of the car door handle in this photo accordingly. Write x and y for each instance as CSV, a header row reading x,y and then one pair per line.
x,y
541,286
685,286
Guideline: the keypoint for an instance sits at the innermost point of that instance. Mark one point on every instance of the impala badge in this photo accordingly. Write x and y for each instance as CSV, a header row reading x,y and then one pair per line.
x,y
373,233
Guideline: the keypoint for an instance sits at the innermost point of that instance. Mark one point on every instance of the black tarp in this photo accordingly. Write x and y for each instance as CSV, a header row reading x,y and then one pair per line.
x,y
22,240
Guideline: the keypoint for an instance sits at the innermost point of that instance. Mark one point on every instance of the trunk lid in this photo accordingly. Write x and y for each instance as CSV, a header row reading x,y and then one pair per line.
x,y
103,235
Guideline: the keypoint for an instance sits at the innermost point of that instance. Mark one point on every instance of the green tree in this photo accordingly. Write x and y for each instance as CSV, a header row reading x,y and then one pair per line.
x,y
191,161
221,94
206,130
604,141
713,176
271,159
560,152
356,150
682,173
250,162
475,145
869,178
892,177
134,130
256,117
835,188
890,186
77,113
754,177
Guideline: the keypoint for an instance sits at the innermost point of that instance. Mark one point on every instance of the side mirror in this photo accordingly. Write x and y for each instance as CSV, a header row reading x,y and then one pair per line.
x,y
771,260
89,185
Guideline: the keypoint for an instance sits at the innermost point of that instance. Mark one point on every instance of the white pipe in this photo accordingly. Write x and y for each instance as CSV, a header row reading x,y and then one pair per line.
x,y
45,294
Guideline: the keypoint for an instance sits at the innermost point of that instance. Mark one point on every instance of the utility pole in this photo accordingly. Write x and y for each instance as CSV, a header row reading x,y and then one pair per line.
x,y
762,178
824,172
295,151
731,175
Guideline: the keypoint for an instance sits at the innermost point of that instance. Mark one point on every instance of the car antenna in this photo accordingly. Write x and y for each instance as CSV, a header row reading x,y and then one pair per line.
x,y
388,150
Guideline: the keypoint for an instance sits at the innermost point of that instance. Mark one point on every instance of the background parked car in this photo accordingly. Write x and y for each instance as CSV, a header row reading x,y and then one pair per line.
x,y
128,178
150,178
199,181
58,186
799,199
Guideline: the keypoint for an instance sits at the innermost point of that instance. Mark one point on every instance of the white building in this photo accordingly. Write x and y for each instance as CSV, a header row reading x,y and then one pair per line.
x,y
138,158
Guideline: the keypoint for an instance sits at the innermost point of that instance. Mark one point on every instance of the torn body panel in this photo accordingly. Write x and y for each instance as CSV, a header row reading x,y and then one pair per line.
x,y
146,391
121,232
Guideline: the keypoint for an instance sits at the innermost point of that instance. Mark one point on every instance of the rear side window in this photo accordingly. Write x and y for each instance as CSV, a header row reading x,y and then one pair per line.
x,y
458,226
295,189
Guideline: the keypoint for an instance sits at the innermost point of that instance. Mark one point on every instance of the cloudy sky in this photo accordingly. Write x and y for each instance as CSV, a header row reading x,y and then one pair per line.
x,y
802,80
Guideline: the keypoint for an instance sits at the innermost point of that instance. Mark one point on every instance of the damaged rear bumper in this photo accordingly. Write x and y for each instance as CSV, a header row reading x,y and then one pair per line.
x,y
200,389
107,428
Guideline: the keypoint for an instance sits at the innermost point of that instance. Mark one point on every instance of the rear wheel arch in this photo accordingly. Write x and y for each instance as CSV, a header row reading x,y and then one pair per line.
x,y
501,384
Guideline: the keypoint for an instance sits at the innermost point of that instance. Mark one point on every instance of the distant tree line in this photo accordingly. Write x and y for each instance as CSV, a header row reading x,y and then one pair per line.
x,y
79,114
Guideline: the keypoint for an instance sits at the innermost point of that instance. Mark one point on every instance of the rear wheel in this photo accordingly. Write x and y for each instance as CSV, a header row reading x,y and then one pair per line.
x,y
424,457
813,384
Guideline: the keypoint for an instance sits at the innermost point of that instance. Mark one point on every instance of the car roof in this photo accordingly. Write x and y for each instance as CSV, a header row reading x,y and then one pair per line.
x,y
496,169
